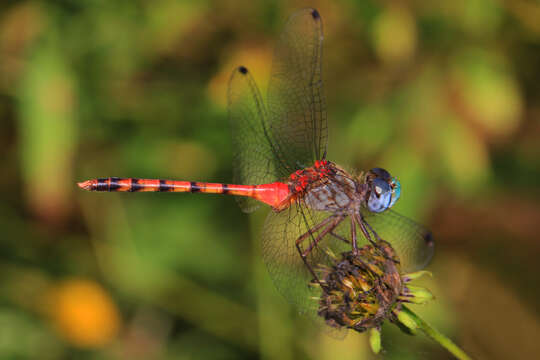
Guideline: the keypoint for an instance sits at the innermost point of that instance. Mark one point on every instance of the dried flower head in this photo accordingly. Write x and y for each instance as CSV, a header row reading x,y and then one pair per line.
x,y
360,291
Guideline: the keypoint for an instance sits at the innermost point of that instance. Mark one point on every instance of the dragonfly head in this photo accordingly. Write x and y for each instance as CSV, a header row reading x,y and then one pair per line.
x,y
384,190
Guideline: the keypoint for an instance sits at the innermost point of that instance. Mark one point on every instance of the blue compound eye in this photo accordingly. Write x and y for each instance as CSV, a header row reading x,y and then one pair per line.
x,y
396,191
381,173
380,197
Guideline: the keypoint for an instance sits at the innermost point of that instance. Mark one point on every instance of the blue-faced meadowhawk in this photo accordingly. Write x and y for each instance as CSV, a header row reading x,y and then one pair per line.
x,y
280,160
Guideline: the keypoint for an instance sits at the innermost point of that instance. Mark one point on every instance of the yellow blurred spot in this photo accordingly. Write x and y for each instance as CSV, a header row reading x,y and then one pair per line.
x,y
395,35
84,313
256,58
465,155
489,92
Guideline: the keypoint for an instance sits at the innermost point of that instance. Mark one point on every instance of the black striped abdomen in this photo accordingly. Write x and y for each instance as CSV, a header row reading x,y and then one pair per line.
x,y
157,185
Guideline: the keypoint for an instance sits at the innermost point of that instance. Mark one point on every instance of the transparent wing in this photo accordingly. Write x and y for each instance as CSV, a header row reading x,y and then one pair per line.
x,y
296,102
252,153
289,273
413,242
292,134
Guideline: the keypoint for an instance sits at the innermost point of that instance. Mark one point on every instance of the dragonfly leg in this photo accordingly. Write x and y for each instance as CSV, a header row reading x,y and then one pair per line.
x,y
303,237
314,229
360,221
372,231
353,237
323,232
379,239
345,240
365,225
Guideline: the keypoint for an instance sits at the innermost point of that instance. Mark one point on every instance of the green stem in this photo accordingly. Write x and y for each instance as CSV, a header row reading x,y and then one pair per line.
x,y
437,336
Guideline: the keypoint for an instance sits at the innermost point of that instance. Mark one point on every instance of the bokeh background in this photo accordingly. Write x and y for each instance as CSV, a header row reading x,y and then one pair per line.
x,y
446,96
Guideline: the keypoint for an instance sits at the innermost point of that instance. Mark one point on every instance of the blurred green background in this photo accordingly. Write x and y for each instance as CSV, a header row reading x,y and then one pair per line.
x,y
445,96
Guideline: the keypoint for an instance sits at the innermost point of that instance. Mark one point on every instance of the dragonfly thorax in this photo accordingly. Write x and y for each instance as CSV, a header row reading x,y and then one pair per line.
x,y
327,187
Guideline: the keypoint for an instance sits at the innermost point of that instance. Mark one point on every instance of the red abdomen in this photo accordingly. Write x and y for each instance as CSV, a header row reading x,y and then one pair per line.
x,y
275,194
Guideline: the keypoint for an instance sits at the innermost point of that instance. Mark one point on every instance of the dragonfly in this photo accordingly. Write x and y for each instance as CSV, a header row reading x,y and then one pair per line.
x,y
280,160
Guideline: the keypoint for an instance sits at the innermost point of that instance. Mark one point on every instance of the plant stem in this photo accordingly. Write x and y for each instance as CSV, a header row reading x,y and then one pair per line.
x,y
437,336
